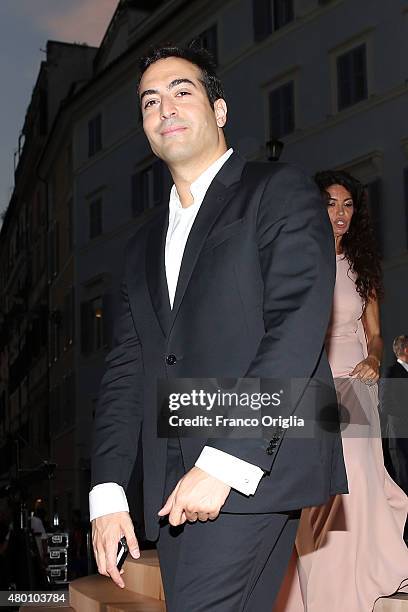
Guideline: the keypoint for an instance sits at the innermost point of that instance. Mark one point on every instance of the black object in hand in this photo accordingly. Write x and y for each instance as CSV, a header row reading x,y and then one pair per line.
x,y
123,550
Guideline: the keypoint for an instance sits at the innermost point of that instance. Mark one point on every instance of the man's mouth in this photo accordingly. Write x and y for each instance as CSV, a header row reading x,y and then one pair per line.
x,y
172,130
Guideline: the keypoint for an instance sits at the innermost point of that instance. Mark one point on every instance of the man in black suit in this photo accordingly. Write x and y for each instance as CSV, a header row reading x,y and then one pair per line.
x,y
232,277
394,409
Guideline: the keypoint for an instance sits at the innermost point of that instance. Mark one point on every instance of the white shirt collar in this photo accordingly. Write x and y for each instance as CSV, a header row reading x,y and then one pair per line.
x,y
404,365
200,186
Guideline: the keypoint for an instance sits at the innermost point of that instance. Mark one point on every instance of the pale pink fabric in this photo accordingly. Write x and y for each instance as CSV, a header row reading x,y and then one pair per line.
x,y
350,551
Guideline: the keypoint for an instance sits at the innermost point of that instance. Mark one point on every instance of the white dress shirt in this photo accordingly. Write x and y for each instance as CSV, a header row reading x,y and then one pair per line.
x,y
238,474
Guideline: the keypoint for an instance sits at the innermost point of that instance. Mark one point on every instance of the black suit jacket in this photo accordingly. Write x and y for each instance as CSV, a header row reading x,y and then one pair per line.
x,y
253,299
394,396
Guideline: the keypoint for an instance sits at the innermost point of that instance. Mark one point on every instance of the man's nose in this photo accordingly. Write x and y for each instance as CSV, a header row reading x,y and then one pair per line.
x,y
168,109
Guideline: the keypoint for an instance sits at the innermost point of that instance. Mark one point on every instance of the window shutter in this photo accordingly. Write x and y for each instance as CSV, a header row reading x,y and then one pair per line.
x,y
94,135
275,114
360,73
208,41
344,81
262,19
352,77
282,13
95,218
282,111
288,110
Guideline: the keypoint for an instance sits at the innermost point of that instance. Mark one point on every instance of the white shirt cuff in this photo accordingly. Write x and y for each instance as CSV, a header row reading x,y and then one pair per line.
x,y
106,498
237,473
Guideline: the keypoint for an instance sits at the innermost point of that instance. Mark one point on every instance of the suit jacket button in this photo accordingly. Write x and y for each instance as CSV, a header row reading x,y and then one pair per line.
x,y
171,359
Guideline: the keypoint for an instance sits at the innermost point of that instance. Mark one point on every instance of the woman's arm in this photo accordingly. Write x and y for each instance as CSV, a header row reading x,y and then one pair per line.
x,y
368,370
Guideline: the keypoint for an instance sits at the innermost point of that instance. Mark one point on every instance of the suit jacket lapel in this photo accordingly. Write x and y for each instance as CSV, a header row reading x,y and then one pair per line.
x,y
217,197
156,270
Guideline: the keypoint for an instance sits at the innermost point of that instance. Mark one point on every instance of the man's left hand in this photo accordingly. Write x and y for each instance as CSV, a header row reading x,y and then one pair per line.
x,y
197,496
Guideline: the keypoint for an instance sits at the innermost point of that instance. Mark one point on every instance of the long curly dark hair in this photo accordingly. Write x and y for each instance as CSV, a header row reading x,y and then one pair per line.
x,y
358,244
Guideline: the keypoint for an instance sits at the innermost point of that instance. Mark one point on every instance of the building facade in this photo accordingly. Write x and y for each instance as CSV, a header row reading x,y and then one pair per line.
x,y
28,257
327,95
333,97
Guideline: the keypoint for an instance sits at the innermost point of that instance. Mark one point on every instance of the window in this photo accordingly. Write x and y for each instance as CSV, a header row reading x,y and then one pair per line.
x,y
269,15
208,40
373,190
282,13
95,218
282,110
406,202
352,77
96,324
147,188
94,135
262,18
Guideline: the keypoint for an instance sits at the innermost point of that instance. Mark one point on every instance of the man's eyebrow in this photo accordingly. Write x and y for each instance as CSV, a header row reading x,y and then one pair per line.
x,y
178,81
174,83
148,92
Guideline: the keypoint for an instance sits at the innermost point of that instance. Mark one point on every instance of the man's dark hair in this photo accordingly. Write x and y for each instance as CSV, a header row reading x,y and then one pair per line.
x,y
195,55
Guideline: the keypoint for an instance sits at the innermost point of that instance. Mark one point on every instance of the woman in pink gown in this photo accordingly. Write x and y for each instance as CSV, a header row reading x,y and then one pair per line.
x,y
351,551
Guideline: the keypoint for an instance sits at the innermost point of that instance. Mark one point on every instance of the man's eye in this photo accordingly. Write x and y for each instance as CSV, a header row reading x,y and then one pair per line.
x,y
183,93
149,103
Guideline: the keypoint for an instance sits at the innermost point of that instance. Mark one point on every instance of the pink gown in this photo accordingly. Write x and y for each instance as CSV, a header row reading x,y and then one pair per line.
x,y
350,551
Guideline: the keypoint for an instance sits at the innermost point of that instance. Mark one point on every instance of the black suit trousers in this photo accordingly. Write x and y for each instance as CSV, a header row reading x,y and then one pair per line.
x,y
233,564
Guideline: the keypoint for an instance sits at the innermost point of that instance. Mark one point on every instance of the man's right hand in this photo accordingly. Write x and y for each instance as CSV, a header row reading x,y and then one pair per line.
x,y
106,533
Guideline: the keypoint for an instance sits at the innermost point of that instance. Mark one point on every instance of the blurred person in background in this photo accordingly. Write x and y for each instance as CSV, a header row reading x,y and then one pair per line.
x,y
394,407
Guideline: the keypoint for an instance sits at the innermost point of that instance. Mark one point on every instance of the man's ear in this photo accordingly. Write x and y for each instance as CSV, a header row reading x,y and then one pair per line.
x,y
220,111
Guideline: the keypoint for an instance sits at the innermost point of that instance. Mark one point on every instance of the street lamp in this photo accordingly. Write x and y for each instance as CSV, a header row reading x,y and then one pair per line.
x,y
274,148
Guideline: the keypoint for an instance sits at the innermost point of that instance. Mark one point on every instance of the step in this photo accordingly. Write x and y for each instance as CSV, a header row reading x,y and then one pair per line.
x,y
140,604
96,593
395,603
143,575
